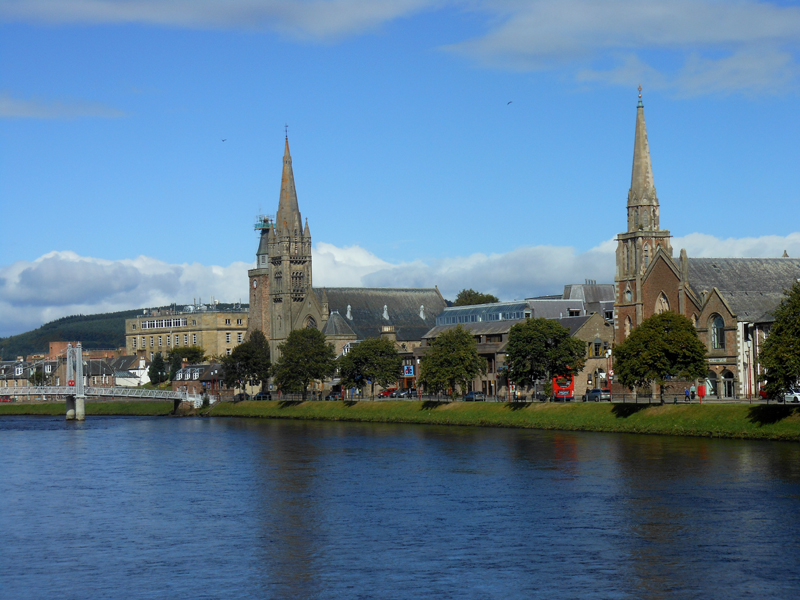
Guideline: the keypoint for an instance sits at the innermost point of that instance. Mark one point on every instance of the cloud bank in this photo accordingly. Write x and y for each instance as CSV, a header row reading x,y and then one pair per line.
x,y
688,46
63,283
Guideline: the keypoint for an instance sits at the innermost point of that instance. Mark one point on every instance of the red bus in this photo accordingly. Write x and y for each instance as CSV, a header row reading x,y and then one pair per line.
x,y
564,388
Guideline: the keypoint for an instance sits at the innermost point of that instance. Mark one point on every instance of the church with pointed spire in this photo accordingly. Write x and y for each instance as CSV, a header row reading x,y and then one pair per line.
x,y
729,300
282,297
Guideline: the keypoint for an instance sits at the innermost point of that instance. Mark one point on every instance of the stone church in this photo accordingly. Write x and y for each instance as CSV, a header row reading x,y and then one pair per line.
x,y
282,297
730,300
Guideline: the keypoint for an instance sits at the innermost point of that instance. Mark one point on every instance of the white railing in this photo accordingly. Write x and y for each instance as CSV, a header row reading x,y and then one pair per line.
x,y
116,392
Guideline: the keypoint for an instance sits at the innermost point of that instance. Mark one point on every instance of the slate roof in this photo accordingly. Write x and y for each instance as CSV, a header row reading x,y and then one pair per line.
x,y
573,323
402,306
478,328
337,325
752,287
554,309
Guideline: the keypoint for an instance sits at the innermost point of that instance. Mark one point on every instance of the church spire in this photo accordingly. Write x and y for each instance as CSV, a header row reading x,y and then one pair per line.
x,y
643,191
288,218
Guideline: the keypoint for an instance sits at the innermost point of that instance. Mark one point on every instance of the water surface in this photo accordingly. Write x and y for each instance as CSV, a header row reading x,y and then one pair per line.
x,y
229,508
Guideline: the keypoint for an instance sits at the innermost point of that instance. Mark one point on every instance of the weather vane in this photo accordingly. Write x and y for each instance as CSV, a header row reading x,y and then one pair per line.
x,y
640,90
286,129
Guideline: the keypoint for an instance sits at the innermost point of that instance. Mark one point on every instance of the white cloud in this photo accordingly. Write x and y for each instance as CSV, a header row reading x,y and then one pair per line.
x,y
62,283
709,46
11,107
301,18
720,46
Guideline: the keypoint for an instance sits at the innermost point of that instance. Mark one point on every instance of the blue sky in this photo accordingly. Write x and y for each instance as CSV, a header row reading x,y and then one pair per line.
x,y
411,166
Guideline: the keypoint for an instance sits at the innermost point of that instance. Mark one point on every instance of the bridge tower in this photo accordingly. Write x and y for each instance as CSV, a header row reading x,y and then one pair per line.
x,y
76,404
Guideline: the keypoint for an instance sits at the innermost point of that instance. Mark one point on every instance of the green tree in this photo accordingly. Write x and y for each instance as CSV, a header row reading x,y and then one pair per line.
x,y
662,347
470,296
452,361
780,354
157,370
193,355
374,360
305,356
248,363
542,349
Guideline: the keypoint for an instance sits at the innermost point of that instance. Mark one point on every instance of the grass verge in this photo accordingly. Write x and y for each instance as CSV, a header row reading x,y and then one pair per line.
x,y
140,409
772,422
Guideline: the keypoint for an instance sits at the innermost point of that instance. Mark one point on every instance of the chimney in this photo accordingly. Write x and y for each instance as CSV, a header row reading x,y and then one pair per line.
x,y
388,333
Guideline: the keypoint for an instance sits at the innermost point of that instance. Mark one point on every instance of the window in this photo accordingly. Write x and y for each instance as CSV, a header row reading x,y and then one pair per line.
x,y
628,326
151,341
646,256
228,351
239,337
48,368
196,374
144,341
177,340
572,312
133,326
227,321
18,371
598,348
628,295
169,339
717,332
134,342
159,341
185,339
194,322
662,304
228,337
194,339
238,321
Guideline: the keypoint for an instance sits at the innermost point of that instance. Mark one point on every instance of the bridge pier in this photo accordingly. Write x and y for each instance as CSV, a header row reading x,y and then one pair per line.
x,y
70,408
80,408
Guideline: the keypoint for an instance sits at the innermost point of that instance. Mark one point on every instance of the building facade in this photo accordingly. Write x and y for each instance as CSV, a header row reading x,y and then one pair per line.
x,y
729,300
217,331
282,297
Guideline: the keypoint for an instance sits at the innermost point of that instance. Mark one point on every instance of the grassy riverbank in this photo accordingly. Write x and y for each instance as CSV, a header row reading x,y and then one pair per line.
x,y
140,409
732,421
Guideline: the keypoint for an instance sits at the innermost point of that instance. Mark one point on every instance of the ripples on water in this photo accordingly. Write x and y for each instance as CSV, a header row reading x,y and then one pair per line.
x,y
205,508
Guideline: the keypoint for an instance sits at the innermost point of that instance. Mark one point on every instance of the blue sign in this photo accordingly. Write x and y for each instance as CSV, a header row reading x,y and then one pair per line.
x,y
408,371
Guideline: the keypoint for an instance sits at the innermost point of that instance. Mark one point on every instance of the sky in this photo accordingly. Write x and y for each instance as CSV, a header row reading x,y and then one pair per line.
x,y
481,144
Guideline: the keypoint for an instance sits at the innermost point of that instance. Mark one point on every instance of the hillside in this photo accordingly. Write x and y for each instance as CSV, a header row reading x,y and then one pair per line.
x,y
106,330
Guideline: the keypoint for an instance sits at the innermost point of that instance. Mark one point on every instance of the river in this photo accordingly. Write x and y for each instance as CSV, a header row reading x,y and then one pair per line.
x,y
233,508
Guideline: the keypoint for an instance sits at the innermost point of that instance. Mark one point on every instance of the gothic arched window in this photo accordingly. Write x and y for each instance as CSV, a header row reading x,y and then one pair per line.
x,y
662,304
717,327
646,254
311,323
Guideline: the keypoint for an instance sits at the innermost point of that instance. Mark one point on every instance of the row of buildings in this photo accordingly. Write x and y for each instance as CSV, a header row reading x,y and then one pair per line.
x,y
730,300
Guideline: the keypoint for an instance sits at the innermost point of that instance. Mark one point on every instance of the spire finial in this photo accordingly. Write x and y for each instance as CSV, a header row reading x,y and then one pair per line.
x,y
640,105
286,125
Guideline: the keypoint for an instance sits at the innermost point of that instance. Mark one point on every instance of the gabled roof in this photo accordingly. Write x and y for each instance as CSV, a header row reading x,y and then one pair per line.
x,y
752,287
412,311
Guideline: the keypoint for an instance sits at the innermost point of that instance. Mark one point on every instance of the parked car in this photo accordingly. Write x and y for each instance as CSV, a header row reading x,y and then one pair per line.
x,y
263,396
792,396
387,392
5,398
598,394
474,397
334,396
240,397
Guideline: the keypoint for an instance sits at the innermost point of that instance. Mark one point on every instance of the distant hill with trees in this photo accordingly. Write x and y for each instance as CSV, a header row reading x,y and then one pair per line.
x,y
106,330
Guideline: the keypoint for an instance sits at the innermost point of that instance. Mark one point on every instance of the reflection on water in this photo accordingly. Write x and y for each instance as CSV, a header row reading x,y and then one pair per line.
x,y
202,508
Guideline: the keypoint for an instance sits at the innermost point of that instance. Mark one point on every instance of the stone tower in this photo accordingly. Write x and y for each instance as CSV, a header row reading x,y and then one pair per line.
x,y
288,255
638,245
